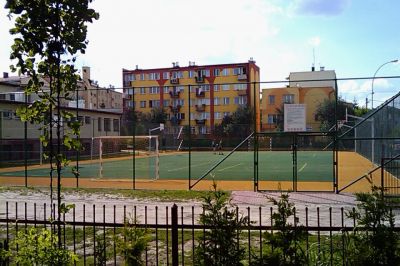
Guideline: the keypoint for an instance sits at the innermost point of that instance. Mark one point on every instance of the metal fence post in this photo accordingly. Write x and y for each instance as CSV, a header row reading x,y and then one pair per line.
x,y
174,235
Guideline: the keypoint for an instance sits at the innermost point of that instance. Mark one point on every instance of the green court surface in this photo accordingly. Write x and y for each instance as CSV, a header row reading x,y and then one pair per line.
x,y
273,166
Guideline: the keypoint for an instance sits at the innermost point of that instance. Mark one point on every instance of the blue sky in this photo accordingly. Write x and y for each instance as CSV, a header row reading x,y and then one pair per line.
x,y
352,37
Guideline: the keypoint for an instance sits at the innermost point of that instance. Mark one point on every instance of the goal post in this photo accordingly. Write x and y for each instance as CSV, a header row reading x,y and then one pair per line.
x,y
117,148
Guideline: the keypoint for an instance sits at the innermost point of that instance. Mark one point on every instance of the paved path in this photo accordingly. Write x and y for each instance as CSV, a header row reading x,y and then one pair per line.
x,y
330,208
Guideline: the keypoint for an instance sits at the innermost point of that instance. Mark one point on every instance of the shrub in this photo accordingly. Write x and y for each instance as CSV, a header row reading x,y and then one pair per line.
x,y
219,245
133,243
283,245
374,241
39,247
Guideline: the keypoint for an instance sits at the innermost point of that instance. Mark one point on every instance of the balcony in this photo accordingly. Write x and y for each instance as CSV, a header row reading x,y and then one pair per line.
x,y
175,120
242,92
200,121
200,107
175,109
174,80
200,93
242,77
174,94
199,79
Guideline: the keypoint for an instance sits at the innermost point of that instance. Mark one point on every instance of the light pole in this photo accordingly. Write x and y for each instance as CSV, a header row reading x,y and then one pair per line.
x,y
373,78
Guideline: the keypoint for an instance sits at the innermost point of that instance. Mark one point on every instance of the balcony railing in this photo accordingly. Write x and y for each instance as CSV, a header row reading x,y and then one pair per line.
x,y
200,93
174,81
199,79
174,94
200,107
242,77
175,109
175,120
200,121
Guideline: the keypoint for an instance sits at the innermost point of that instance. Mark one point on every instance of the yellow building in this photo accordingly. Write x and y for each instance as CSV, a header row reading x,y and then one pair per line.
x,y
309,88
215,91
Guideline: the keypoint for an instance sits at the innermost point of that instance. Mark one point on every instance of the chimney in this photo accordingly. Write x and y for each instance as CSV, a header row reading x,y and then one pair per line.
x,y
137,67
86,73
173,64
177,64
5,75
313,68
322,68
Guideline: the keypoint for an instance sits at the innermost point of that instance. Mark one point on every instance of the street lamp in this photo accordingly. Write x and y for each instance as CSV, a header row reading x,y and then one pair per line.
x,y
372,85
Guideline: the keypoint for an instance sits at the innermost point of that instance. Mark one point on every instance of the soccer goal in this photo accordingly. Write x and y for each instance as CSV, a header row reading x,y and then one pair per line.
x,y
119,150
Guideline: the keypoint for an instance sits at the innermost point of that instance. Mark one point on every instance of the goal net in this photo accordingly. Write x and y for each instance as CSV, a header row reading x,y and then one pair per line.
x,y
116,154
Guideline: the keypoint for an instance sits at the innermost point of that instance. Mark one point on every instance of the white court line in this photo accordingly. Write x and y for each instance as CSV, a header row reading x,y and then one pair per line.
x,y
229,167
186,167
304,166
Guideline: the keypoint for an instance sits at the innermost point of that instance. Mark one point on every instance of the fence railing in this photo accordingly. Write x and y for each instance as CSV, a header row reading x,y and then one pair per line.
x,y
93,232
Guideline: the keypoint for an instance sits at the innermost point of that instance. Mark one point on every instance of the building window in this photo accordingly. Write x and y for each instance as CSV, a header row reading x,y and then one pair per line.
x,y
271,99
142,90
88,120
240,86
272,119
81,119
166,75
116,125
226,100
241,100
99,120
216,101
142,76
166,89
239,71
216,72
154,76
107,124
288,98
227,114
218,115
216,87
177,74
129,77
225,72
12,97
2,96
154,103
154,90
225,87
165,103
191,74
142,104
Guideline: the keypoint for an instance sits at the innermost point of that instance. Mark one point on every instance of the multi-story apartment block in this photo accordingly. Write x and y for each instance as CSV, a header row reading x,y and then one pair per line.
x,y
310,88
214,91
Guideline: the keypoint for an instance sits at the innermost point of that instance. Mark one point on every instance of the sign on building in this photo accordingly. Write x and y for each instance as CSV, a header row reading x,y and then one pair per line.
x,y
294,117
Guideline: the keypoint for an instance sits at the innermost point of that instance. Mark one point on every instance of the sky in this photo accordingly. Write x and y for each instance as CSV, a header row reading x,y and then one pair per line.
x,y
352,37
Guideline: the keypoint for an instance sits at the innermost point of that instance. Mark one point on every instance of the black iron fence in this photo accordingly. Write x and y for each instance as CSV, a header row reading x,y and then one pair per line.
x,y
174,233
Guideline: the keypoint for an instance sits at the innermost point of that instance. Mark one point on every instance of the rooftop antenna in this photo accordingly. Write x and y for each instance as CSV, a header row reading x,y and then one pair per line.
x,y
313,64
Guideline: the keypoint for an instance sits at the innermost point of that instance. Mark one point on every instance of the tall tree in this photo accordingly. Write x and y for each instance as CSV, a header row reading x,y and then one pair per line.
x,y
48,36
325,112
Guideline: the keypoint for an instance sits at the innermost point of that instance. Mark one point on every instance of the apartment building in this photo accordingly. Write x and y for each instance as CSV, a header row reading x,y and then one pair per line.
x,y
213,91
310,88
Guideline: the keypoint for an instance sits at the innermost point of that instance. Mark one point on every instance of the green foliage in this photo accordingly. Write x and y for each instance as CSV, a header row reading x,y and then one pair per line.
x,y
325,112
238,124
133,243
39,247
220,245
283,246
374,241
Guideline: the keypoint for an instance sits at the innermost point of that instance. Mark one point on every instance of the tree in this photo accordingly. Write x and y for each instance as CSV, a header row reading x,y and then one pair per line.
x,y
49,34
239,124
325,112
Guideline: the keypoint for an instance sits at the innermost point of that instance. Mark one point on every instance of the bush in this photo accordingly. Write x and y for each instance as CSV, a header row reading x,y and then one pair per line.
x,y
219,245
283,245
374,241
133,243
39,247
